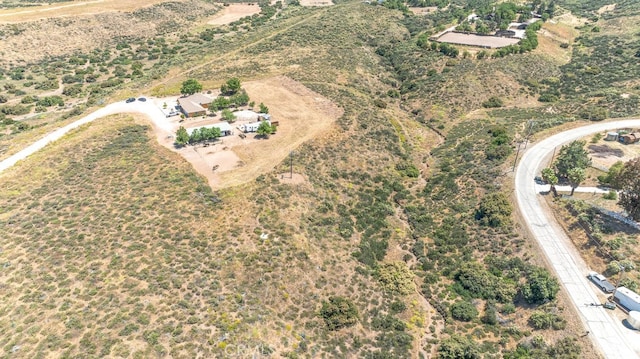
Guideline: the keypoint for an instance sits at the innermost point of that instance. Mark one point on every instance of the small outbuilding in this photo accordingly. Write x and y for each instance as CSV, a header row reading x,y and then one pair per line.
x,y
611,136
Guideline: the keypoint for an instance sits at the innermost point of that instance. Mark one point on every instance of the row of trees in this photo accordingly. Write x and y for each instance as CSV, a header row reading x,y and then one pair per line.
x,y
197,135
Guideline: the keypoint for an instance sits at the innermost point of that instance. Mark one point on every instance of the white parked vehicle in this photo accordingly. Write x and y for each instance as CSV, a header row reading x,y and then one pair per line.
x,y
601,281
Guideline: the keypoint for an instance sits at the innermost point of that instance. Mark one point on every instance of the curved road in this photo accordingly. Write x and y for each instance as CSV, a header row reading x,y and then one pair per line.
x,y
608,334
147,108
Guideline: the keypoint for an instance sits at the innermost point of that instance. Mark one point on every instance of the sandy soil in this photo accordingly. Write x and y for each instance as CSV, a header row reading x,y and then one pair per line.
x,y
286,178
422,10
606,8
73,9
606,153
477,40
301,113
234,12
316,2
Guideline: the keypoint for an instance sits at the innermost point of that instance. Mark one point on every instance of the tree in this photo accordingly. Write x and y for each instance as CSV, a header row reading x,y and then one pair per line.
x,y
611,178
182,136
539,287
571,156
629,181
459,347
464,311
550,177
231,87
576,176
228,115
339,313
495,210
190,86
263,108
219,103
265,129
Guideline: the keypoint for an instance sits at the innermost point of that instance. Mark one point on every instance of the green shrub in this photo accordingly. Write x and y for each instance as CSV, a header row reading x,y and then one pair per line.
x,y
396,278
338,312
494,210
543,320
493,102
464,311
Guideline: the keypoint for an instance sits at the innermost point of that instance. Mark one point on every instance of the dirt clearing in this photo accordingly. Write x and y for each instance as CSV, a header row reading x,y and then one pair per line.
x,y
234,12
477,40
301,113
316,2
72,9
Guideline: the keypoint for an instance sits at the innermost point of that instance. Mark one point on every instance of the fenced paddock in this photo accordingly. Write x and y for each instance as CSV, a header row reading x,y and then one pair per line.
x,y
485,41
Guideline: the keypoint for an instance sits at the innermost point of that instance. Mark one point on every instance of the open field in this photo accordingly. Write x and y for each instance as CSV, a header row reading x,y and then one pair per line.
x,y
71,9
491,42
233,12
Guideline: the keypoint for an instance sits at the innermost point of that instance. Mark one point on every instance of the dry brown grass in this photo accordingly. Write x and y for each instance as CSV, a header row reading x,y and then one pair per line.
x,y
79,8
233,12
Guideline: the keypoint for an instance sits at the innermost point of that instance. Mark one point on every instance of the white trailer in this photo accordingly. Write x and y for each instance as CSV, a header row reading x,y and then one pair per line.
x,y
628,298
251,127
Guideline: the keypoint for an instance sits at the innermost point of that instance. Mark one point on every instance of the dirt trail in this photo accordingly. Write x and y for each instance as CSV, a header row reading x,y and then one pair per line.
x,y
218,58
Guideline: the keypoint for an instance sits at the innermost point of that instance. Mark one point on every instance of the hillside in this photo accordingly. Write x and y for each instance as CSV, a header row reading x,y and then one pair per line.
x,y
399,242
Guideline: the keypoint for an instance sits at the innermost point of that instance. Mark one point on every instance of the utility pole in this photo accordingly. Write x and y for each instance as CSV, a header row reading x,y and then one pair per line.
x,y
516,159
291,164
526,138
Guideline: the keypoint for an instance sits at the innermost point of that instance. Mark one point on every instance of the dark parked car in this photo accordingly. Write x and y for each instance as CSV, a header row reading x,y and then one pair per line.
x,y
130,100
539,180
142,99
601,281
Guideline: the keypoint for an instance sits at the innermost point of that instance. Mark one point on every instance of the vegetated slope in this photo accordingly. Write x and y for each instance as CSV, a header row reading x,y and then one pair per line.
x,y
425,266
34,41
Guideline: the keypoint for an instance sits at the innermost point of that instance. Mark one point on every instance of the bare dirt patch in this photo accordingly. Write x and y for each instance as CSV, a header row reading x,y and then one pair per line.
x,y
316,2
234,12
422,10
288,178
72,9
606,8
477,40
606,153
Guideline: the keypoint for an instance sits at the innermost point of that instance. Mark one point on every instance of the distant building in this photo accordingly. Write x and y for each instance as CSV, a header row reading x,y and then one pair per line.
x,y
194,105
505,33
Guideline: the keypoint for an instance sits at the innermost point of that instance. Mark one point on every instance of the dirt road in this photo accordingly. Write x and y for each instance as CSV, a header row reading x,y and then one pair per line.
x,y
608,334
147,108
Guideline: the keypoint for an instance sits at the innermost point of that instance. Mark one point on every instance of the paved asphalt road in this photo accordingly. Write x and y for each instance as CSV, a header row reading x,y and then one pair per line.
x,y
147,108
608,334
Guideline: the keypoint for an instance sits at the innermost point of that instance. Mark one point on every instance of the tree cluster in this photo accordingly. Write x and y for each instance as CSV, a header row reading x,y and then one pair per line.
x,y
197,135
